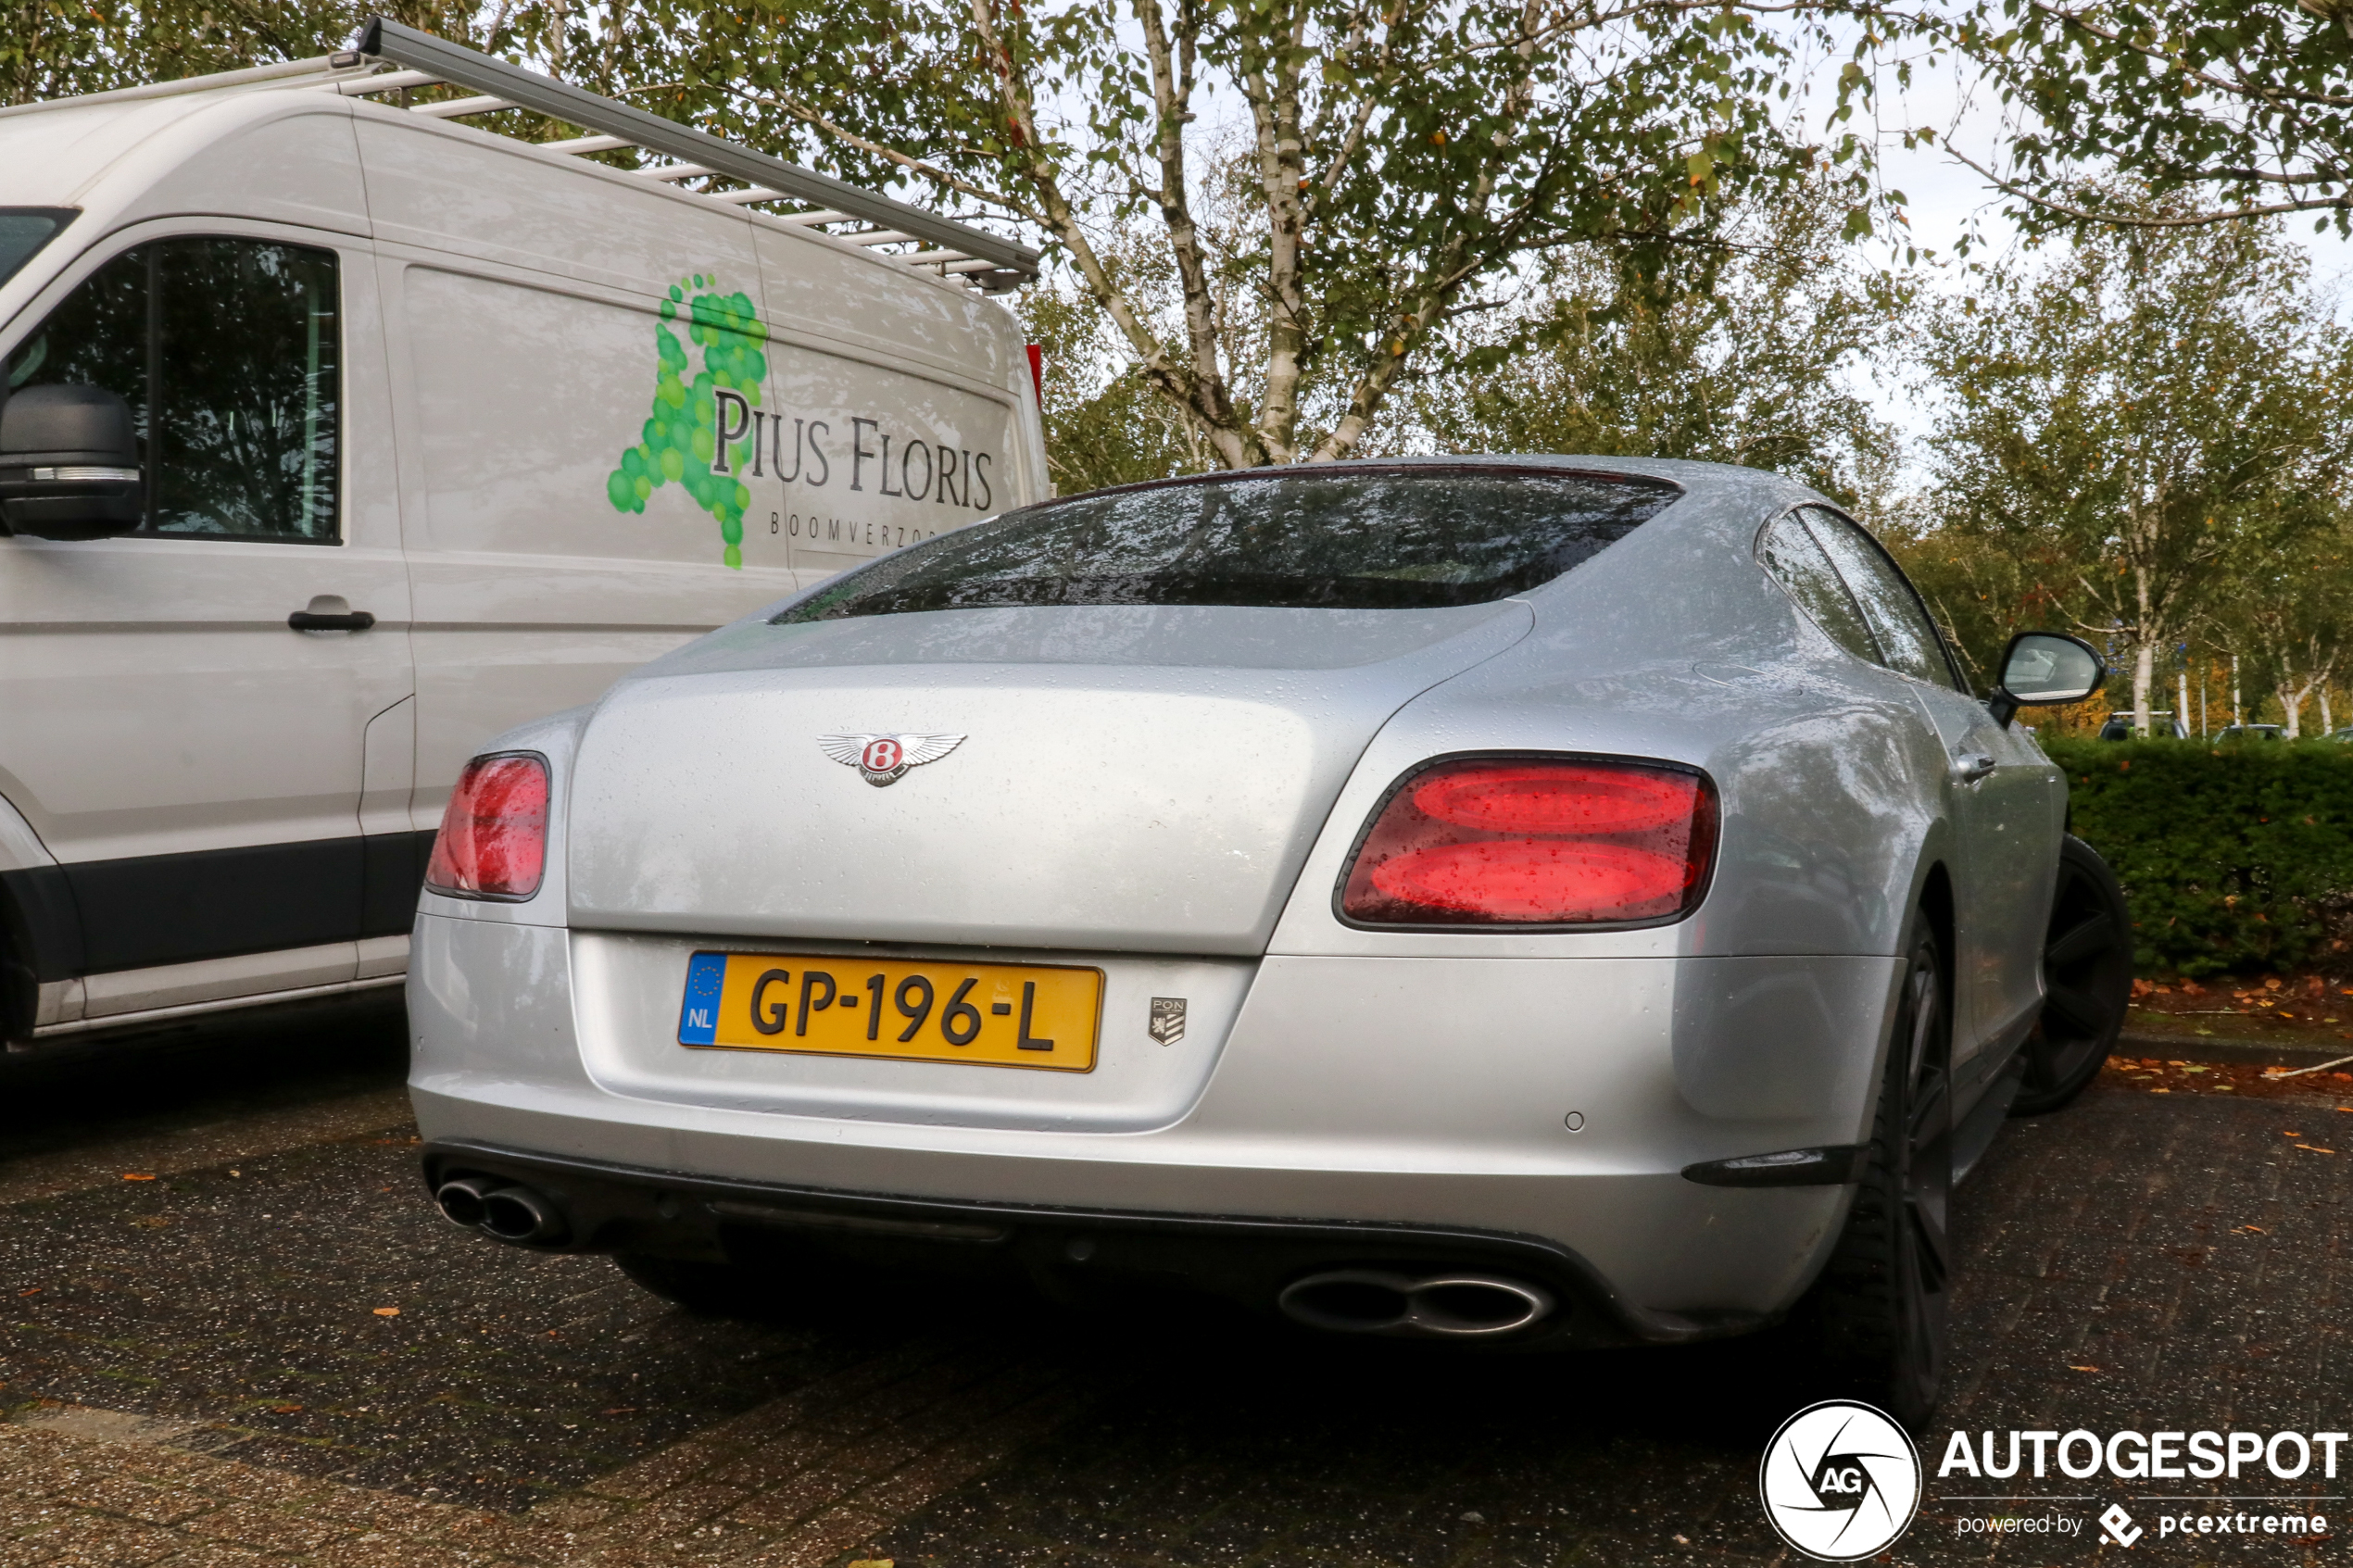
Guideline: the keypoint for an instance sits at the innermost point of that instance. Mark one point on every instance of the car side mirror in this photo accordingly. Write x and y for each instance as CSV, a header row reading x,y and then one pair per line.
x,y
68,463
2045,669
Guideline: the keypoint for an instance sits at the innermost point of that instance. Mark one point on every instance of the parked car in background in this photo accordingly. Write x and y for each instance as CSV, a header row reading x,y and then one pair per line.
x,y
2251,731
339,436
2123,725
1528,901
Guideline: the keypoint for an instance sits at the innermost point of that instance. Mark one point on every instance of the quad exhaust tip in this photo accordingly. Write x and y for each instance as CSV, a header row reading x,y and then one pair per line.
x,y
1444,1306
506,1210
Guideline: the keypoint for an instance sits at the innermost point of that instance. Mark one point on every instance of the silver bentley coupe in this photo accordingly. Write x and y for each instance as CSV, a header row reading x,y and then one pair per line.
x,y
1536,902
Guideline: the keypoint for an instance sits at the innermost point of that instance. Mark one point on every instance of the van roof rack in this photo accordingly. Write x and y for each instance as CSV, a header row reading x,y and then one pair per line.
x,y
426,58
833,207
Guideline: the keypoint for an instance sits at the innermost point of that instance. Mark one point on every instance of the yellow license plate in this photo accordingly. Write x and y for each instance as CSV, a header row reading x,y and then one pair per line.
x,y
911,1010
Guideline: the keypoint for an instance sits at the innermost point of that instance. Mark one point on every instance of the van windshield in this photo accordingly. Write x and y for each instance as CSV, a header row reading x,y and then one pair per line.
x,y
1374,537
24,230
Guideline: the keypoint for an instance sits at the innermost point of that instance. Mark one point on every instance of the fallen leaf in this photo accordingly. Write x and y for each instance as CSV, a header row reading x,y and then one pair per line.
x,y
138,1175
873,1562
387,1312
2258,1230
34,1291
287,1410
2291,1134
2072,1367
620,1409
2316,1149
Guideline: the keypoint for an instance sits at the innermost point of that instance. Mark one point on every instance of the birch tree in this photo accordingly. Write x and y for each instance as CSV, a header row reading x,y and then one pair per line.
x,y
1397,160
2151,412
2293,612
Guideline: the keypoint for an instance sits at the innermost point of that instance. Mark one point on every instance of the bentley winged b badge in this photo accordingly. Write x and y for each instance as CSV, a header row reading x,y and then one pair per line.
x,y
880,759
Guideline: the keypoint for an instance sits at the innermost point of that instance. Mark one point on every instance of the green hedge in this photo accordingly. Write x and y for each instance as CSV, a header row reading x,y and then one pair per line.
x,y
2236,858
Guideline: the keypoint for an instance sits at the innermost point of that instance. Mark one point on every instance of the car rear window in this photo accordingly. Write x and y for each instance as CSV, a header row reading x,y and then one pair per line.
x,y
1359,538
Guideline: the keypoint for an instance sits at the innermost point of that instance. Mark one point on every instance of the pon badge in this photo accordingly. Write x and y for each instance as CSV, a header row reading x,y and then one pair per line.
x,y
880,759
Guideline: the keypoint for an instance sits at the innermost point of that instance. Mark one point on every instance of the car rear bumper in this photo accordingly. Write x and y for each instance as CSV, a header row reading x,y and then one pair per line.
x,y
1069,1251
1393,1110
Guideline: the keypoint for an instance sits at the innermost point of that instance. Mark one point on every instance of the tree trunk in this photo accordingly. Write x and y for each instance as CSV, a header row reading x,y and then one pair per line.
x,y
2143,676
2145,641
2292,705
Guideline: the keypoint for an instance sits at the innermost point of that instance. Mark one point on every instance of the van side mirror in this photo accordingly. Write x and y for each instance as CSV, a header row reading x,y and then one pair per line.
x,y
68,463
2045,669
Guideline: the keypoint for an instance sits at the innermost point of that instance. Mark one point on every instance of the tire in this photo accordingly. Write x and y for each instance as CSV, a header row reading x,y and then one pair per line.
x,y
2087,981
1880,1310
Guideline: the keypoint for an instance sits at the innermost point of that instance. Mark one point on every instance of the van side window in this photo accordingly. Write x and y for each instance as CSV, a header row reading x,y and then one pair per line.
x,y
235,343
1898,619
1798,564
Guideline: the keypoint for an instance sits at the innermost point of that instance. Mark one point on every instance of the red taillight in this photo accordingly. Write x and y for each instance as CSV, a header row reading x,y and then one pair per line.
x,y
1516,842
494,836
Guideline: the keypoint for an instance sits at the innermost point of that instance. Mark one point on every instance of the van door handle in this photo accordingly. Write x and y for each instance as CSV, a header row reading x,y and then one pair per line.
x,y
1972,768
311,621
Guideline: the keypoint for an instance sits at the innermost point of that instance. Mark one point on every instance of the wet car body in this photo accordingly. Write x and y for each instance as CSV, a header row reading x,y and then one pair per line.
x,y
1651,1123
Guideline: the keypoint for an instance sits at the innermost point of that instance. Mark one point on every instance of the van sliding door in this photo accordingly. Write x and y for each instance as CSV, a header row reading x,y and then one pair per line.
x,y
534,592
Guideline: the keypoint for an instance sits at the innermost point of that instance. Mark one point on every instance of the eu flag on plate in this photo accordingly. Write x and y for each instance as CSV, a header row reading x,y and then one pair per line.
x,y
698,1016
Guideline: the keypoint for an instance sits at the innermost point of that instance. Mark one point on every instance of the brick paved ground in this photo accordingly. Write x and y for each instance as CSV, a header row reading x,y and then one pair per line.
x,y
199,1373
2137,1261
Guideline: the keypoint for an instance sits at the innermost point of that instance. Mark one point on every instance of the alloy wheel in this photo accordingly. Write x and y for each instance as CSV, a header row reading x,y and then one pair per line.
x,y
2087,979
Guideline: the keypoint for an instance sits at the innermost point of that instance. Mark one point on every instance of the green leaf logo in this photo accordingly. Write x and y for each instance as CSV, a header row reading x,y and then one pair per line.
x,y
680,435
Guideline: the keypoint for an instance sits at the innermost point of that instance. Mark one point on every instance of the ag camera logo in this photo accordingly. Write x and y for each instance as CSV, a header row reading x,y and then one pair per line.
x,y
1840,1480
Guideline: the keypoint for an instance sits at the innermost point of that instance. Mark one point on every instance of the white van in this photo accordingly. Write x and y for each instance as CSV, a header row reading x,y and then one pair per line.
x,y
341,437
